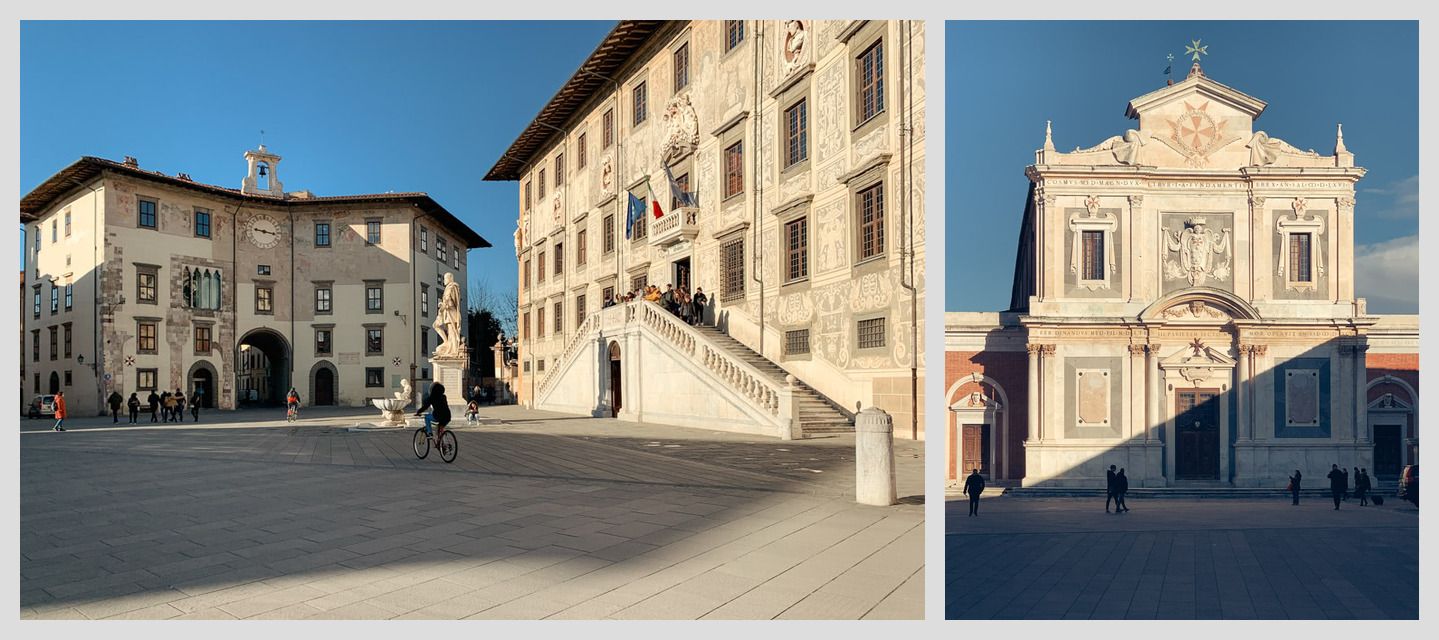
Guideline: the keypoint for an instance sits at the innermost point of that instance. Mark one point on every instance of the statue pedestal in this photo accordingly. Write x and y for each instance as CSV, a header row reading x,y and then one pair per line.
x,y
451,373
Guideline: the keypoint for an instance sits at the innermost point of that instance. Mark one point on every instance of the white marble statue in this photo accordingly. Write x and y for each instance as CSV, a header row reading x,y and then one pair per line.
x,y
447,321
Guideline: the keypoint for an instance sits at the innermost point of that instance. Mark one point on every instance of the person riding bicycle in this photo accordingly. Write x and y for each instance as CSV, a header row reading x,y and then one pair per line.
x,y
439,408
292,402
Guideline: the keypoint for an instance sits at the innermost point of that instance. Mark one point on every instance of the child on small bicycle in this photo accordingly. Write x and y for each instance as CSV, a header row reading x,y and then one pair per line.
x,y
439,408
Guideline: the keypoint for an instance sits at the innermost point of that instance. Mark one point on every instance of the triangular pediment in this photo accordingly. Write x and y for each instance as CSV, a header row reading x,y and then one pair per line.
x,y
1196,89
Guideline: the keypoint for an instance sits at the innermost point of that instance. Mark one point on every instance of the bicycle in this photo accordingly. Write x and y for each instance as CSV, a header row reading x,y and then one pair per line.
x,y
292,413
448,445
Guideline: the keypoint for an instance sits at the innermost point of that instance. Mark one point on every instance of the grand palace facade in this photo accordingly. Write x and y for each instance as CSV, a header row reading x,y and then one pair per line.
x,y
796,149
1183,307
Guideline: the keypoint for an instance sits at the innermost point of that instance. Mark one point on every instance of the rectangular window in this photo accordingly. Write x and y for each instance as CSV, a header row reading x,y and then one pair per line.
x,y
324,299
641,226
37,382
147,336
559,253
202,223
455,257
540,276
682,66
202,341
374,341
1300,253
540,322
580,248
559,317
639,282
54,343
1092,257
262,270
374,376
54,299
37,301
579,310
372,232
529,201
68,379
264,300
682,183
146,379
526,326
733,34
69,340
871,222
796,134
640,103
424,240
424,342
607,293
35,345
559,170
608,232
540,185
322,234
581,149
424,301
323,344
607,126
870,75
527,274
871,333
732,261
146,208
146,283
796,342
734,169
374,297
54,231
37,239
69,296
67,223
440,249
796,249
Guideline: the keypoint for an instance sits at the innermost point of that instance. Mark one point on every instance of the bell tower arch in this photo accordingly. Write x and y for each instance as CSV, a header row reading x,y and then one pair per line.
x,y
262,175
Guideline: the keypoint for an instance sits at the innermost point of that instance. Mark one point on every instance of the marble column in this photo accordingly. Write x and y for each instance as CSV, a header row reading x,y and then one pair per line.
x,y
1046,360
1155,395
1032,393
1136,390
1361,394
1241,394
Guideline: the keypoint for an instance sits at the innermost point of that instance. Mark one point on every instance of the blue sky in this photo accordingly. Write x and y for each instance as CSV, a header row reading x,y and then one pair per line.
x,y
1004,79
353,107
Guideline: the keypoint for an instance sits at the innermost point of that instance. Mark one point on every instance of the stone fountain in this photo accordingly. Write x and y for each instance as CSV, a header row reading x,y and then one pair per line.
x,y
394,408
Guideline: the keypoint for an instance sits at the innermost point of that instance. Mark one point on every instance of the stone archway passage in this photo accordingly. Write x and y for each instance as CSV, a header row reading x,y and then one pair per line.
x,y
324,384
265,361
616,374
201,384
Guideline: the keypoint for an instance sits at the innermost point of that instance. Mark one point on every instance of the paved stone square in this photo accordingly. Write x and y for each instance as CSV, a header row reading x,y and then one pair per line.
x,y
541,516
1065,558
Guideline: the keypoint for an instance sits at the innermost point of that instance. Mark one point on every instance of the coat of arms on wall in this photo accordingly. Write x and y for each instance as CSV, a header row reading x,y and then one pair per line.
x,y
1203,253
682,128
795,38
607,175
1196,134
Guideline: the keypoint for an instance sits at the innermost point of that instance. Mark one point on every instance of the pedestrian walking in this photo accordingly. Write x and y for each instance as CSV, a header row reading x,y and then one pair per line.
x,y
59,411
134,405
1109,485
1294,486
195,405
115,400
1337,484
1361,487
167,407
154,401
1121,487
700,300
179,406
974,487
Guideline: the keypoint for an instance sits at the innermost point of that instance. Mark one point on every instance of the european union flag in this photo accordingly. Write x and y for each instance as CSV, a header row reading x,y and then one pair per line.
x,y
636,209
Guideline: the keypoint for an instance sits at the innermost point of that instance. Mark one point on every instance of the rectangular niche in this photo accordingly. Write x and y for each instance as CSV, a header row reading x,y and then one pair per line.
x,y
1092,395
1301,398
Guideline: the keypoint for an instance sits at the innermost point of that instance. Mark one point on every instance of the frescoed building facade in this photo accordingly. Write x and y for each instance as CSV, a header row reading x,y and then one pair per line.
x,y
1184,307
145,281
802,143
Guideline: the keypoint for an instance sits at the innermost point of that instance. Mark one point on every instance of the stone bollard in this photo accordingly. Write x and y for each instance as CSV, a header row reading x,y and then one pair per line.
x,y
874,458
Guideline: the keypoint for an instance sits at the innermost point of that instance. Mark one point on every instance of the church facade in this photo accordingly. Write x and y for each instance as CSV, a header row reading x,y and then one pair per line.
x,y
1183,307
796,149
139,281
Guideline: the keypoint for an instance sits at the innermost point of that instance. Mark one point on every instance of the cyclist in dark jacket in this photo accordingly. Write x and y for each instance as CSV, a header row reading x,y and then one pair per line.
x,y
439,408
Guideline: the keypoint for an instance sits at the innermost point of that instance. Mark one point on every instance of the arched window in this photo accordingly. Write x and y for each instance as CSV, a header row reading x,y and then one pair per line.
x,y
187,291
215,296
205,287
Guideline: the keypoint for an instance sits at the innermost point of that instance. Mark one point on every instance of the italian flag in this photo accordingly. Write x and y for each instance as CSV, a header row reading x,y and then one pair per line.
x,y
654,200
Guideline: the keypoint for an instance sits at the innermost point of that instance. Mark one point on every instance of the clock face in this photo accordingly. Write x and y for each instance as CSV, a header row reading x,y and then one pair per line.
x,y
262,231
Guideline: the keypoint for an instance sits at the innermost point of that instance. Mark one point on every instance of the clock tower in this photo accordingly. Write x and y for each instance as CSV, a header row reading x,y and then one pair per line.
x,y
262,176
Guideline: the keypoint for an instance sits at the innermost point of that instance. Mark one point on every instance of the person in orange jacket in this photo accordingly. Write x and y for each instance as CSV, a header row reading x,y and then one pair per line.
x,y
59,411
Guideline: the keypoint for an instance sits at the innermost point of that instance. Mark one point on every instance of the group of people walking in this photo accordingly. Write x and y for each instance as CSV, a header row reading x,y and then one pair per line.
x,y
163,407
1117,485
1339,485
679,301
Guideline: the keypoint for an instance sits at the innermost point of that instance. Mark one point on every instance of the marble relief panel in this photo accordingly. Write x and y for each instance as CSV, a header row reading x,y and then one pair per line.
x,y
1092,395
829,242
1301,390
829,115
1197,250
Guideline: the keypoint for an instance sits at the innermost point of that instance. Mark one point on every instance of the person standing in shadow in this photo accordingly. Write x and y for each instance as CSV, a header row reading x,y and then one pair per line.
x,y
973,487
1109,488
1337,484
1121,487
1294,486
1361,487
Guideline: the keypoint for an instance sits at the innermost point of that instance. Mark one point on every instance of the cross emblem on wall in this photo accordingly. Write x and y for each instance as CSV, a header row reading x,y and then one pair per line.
x,y
397,362
129,361
1197,346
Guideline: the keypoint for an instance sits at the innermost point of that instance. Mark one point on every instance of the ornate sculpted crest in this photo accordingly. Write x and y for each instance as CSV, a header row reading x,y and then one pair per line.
x,y
1196,134
682,127
1203,253
795,39
559,196
1194,310
607,175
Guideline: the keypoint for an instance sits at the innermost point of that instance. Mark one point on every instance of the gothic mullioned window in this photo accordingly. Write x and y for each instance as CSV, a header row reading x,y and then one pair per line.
x,y
201,288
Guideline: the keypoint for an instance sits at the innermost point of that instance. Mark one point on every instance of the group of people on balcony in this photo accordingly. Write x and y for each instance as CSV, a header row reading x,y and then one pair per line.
x,y
689,307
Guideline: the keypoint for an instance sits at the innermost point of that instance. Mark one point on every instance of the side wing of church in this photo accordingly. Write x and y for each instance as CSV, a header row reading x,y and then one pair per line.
x,y
1184,308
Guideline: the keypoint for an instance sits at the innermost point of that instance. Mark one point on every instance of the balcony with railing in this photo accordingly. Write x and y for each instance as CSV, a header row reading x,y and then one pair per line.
x,y
675,226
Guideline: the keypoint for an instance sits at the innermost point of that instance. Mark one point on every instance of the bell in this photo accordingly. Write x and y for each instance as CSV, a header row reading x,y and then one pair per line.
x,y
262,171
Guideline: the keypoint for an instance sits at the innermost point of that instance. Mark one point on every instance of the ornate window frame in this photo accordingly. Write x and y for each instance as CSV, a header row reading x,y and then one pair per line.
x,y
1299,222
1092,219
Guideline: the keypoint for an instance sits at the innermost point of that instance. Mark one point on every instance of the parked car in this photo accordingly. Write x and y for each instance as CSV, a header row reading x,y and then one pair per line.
x,y
41,406
1409,483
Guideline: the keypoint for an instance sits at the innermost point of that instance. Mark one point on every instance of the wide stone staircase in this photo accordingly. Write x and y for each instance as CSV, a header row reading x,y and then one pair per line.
x,y
817,413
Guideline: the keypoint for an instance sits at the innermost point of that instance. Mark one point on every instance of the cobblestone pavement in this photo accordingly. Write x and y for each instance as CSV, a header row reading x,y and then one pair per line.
x,y
1029,558
541,516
